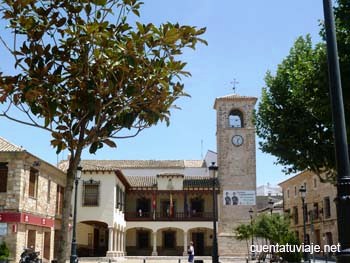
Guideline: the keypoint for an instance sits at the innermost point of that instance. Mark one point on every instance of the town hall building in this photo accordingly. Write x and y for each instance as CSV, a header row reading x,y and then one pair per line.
x,y
156,207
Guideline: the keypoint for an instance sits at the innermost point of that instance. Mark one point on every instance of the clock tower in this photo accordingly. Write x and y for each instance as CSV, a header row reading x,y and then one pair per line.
x,y
235,133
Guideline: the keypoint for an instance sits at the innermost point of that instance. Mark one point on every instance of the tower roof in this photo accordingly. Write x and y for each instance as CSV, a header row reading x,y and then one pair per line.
x,y
234,97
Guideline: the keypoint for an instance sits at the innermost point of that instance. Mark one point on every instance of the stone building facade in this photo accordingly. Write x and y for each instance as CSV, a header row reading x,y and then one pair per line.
x,y
30,200
321,219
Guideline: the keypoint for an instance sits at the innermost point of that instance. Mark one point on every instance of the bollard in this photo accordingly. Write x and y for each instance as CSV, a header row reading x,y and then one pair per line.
x,y
179,260
144,260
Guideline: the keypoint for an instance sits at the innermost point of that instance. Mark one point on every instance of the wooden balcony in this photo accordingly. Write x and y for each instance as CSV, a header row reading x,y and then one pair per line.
x,y
177,216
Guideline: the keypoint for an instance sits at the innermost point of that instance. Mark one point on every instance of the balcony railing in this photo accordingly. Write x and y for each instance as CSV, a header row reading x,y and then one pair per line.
x,y
177,216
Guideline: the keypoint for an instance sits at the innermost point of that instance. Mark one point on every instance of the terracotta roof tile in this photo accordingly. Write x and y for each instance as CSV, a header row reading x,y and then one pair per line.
x,y
199,182
111,165
6,146
142,181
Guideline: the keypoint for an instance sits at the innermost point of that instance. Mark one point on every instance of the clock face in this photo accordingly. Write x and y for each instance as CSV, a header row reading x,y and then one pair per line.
x,y
237,140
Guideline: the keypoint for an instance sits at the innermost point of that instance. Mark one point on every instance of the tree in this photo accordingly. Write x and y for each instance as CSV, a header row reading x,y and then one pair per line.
x,y
86,75
244,232
294,117
274,228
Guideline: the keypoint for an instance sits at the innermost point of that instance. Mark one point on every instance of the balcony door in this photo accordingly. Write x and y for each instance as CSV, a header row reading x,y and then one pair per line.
x,y
143,206
165,208
197,207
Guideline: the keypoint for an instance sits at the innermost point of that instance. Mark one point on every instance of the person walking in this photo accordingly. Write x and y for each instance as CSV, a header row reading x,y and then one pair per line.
x,y
191,253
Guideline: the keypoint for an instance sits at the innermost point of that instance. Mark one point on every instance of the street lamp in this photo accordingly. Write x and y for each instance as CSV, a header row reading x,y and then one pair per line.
x,y
73,254
251,212
340,138
302,192
271,203
213,169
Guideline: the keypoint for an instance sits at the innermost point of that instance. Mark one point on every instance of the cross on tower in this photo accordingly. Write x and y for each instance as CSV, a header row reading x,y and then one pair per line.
x,y
234,82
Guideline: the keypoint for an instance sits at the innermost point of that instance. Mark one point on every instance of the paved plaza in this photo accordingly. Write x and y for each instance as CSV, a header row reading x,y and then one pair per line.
x,y
174,259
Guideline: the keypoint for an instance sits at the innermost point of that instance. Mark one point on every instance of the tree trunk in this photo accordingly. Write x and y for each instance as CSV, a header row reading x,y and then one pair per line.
x,y
67,211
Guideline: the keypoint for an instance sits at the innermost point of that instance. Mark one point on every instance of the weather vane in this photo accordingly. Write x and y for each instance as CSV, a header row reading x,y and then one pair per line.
x,y
234,82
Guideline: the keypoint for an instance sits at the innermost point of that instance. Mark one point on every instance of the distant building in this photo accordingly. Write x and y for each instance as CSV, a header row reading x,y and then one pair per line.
x,y
321,219
268,190
269,199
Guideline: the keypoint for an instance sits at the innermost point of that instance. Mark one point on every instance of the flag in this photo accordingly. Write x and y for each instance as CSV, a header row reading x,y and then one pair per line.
x,y
154,206
185,205
154,202
171,210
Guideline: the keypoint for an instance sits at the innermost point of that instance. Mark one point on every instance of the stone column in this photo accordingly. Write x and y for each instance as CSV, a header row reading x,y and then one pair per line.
x,y
154,252
122,242
185,243
115,239
110,251
110,239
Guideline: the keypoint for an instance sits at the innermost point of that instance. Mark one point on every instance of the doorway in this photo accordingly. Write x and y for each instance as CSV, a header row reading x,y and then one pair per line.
x,y
47,245
198,243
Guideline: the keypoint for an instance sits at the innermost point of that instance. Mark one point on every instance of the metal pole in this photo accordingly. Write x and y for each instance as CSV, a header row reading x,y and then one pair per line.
x,y
251,224
304,228
341,145
73,255
215,258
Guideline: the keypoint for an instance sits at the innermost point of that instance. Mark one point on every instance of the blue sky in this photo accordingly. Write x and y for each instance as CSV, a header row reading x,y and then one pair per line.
x,y
246,38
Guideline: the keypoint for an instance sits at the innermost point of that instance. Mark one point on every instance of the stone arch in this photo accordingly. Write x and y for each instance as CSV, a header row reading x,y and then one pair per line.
x,y
202,238
235,119
170,241
138,241
92,238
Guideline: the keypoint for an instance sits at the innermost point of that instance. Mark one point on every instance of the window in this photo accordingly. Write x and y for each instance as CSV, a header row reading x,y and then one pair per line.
x,y
287,193
316,211
315,182
295,215
117,200
3,177
48,198
33,183
327,207
295,191
306,214
59,199
236,119
91,193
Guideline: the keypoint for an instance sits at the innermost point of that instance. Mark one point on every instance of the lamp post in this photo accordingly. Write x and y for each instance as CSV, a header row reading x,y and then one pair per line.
x,y
213,169
271,203
251,212
341,144
302,192
73,254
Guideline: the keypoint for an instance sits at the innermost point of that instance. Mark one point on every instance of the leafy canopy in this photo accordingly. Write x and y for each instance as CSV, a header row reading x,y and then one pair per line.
x,y
294,116
87,73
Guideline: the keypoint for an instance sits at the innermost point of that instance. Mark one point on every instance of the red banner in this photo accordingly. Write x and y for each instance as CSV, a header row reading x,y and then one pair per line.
x,y
8,217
